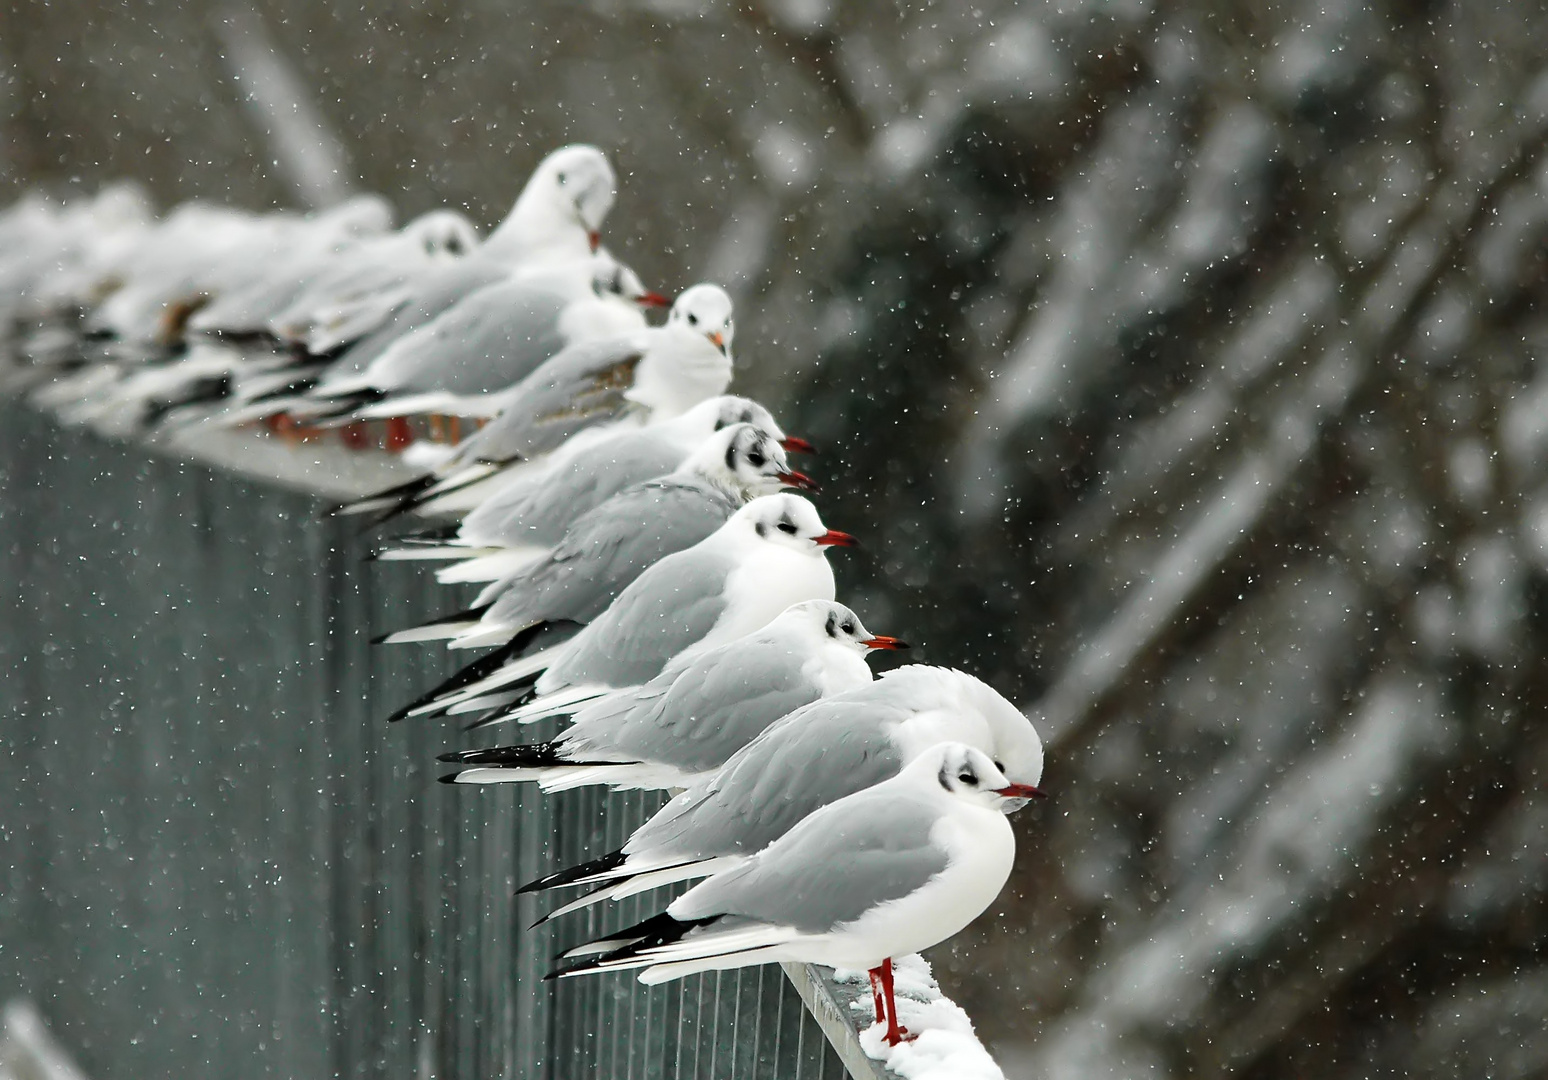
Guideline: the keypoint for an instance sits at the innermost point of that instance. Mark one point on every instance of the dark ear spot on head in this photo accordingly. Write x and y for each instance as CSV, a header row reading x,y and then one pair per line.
x,y
762,527
731,457
832,622
942,777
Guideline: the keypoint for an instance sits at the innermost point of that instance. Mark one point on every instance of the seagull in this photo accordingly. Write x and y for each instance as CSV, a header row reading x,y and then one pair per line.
x,y
884,872
701,709
769,555
323,271
492,339
555,223
534,506
201,253
215,368
638,379
361,288
608,547
457,362
816,755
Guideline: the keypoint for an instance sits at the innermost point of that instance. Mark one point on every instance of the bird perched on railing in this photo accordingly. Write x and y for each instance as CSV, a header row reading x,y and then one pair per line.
x,y
815,755
704,706
887,871
648,582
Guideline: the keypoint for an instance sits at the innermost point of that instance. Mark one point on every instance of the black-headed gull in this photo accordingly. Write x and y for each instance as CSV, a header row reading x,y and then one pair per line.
x,y
884,872
606,548
700,710
654,375
532,508
819,753
769,555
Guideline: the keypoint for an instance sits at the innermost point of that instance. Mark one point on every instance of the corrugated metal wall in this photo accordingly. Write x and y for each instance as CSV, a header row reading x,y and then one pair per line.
x,y
218,860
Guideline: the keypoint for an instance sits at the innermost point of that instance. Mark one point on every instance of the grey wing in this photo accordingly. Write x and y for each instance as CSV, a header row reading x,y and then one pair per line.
x,y
809,759
668,608
431,294
539,509
607,548
831,868
579,388
490,340
723,701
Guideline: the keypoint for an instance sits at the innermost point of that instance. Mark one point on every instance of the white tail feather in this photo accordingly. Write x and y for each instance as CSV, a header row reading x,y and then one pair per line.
x,y
429,632
497,775
491,563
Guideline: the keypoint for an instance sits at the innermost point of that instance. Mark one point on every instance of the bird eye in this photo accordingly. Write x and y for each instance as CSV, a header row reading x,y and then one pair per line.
x,y
849,628
999,766
968,778
756,460
787,527
693,320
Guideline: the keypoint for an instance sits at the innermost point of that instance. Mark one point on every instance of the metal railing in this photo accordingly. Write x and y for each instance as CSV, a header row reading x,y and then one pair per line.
x,y
219,861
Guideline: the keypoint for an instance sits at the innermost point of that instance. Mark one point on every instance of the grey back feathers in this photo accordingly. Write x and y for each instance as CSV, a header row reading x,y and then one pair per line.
x,y
607,548
882,839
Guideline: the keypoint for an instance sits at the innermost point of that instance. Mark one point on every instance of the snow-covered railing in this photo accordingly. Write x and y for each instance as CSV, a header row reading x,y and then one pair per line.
x,y
220,827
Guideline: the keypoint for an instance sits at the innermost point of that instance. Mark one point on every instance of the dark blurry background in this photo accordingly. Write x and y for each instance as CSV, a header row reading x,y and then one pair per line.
x,y
1178,364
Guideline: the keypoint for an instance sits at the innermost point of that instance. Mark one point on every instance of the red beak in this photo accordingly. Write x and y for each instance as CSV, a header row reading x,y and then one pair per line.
x,y
794,444
835,538
882,642
653,299
1021,791
596,240
797,480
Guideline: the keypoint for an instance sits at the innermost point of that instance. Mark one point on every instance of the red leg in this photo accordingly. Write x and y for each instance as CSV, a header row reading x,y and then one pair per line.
x,y
895,1032
876,994
399,434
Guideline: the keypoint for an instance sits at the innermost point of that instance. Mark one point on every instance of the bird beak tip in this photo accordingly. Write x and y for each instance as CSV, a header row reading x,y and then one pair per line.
x,y
881,641
834,538
794,479
1021,791
594,238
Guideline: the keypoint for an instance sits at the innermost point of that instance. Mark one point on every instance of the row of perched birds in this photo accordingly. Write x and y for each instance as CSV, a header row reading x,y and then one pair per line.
x,y
648,574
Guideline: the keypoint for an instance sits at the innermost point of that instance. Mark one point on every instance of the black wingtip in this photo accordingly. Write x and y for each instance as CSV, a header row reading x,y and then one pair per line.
x,y
570,874
528,754
448,778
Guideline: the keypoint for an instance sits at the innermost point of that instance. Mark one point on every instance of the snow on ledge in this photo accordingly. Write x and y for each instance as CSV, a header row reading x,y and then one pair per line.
x,y
946,1047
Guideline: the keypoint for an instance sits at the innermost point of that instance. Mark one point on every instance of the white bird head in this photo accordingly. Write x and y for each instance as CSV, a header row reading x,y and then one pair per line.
x,y
943,704
560,212
706,310
442,234
729,410
609,277
789,521
745,460
580,181
831,622
358,215
966,772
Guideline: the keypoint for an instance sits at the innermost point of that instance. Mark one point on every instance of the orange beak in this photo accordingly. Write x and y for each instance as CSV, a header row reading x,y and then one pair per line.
x,y
793,444
882,642
834,538
653,299
718,340
595,239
